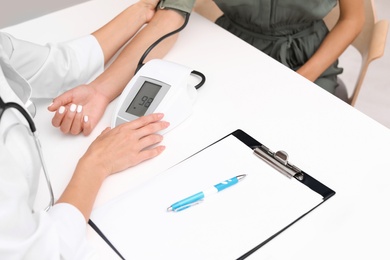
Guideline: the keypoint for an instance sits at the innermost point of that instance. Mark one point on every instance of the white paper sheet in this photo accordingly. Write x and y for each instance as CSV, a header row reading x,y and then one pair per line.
x,y
224,226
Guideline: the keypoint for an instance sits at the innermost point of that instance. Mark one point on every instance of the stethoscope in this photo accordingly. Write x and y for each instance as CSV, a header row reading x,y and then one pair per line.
x,y
4,106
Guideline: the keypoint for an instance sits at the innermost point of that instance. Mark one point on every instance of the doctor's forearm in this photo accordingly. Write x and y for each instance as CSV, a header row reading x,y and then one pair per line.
x,y
83,188
115,78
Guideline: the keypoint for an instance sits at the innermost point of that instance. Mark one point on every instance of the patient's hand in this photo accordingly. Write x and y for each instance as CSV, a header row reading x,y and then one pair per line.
x,y
151,5
78,110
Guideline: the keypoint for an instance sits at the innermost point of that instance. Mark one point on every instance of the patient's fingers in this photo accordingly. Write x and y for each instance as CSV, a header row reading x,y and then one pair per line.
x,y
87,126
58,116
63,100
68,119
76,126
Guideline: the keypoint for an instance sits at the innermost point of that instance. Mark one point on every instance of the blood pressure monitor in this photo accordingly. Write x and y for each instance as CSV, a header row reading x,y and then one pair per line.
x,y
159,86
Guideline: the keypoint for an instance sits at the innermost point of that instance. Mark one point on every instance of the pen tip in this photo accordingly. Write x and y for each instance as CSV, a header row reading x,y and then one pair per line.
x,y
241,176
169,209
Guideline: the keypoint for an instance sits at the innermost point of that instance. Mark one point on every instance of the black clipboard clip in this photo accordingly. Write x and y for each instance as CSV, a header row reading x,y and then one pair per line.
x,y
279,161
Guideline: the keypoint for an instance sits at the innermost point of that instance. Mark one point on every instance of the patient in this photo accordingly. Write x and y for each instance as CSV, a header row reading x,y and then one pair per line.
x,y
292,32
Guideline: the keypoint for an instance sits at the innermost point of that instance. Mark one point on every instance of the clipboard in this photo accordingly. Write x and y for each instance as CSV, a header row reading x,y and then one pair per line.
x,y
232,224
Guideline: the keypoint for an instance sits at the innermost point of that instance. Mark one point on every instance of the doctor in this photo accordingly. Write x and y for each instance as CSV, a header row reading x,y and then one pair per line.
x,y
28,70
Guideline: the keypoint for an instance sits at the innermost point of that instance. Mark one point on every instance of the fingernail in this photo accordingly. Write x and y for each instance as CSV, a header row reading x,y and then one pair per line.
x,y
85,119
79,108
61,110
72,108
50,104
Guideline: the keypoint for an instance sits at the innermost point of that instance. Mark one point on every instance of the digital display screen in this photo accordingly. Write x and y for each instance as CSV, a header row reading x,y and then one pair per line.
x,y
143,99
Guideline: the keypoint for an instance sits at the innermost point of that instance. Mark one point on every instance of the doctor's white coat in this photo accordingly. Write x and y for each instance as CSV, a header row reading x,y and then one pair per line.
x,y
29,70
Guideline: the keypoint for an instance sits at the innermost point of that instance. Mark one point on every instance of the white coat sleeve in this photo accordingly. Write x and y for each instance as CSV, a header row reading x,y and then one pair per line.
x,y
57,67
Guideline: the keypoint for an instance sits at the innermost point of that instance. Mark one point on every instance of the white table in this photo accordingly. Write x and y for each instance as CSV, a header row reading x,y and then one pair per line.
x,y
246,89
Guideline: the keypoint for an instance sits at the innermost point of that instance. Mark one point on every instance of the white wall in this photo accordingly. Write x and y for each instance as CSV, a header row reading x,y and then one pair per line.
x,y
17,11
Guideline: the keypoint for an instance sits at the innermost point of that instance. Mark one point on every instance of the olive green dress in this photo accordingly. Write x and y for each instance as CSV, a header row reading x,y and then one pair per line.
x,y
289,31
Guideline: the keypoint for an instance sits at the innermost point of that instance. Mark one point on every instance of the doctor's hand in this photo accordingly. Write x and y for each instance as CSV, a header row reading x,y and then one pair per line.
x,y
78,110
112,151
126,145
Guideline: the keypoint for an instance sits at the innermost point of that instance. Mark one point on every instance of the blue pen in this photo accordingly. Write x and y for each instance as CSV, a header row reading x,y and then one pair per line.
x,y
198,197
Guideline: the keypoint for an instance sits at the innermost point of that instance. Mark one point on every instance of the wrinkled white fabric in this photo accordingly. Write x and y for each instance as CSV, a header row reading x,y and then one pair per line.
x,y
29,70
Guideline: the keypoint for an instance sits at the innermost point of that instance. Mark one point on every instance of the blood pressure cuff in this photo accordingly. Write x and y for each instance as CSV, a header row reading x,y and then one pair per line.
x,y
180,5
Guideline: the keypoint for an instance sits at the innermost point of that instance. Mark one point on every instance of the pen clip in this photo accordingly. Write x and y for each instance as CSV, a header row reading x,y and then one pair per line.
x,y
279,161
